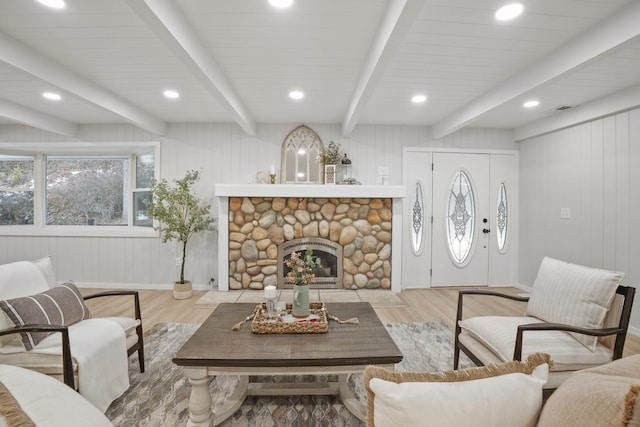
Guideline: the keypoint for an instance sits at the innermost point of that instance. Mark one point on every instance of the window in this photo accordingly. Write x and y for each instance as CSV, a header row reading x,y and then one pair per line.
x,y
16,190
461,213
87,191
67,192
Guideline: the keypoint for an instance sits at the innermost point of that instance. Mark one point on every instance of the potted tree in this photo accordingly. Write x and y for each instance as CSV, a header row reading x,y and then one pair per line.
x,y
180,215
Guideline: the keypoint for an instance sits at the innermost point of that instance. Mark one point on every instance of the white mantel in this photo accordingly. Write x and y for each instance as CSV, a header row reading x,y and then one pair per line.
x,y
312,190
224,191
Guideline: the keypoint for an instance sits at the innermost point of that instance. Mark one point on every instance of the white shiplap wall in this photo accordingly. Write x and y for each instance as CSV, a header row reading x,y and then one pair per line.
x,y
592,169
224,154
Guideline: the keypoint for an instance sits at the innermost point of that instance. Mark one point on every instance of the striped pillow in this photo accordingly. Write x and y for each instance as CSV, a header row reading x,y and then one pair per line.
x,y
574,295
62,305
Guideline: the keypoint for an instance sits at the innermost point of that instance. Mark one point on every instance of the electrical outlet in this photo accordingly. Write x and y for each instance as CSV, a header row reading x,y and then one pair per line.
x,y
383,170
178,262
565,213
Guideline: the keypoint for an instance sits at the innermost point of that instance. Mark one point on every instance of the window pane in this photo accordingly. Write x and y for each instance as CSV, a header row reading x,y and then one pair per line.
x,y
502,217
16,190
461,217
87,191
144,171
140,208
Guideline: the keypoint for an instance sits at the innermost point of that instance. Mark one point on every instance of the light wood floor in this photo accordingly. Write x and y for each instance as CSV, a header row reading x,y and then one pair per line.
x,y
421,305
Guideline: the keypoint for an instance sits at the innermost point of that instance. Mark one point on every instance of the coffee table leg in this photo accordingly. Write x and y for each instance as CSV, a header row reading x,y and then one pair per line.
x,y
200,414
349,400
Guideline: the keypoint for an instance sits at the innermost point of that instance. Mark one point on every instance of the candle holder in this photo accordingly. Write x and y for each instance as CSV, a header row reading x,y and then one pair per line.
x,y
273,178
271,307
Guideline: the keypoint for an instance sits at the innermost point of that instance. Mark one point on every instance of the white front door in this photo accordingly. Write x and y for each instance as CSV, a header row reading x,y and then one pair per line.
x,y
461,226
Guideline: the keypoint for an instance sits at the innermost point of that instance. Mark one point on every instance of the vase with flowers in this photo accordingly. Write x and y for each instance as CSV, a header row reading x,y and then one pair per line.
x,y
302,272
330,157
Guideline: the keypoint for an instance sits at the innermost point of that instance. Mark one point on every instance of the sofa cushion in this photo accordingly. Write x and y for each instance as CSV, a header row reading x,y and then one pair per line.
x,y
603,396
504,394
574,295
498,333
62,305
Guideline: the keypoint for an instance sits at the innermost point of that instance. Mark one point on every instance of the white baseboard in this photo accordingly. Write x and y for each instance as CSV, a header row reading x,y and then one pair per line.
x,y
158,287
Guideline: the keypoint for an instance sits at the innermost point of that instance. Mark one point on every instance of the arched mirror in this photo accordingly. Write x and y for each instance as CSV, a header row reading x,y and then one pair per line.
x,y
299,164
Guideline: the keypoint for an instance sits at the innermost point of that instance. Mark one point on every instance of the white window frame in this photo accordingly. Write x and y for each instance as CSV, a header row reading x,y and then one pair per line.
x,y
40,151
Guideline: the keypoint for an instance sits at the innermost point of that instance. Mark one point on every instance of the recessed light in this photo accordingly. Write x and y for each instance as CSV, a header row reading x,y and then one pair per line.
x,y
532,103
56,4
281,4
52,96
418,99
509,11
296,94
171,94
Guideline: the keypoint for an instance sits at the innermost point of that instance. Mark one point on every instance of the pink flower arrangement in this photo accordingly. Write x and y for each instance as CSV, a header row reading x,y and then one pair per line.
x,y
302,268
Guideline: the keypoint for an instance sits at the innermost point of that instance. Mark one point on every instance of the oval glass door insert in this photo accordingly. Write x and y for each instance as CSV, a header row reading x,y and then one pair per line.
x,y
417,220
502,218
461,215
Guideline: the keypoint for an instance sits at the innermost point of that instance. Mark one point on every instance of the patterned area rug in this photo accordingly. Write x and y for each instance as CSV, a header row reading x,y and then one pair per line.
x,y
159,397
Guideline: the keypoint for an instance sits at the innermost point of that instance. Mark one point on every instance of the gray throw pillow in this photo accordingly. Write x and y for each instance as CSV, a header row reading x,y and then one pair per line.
x,y
62,305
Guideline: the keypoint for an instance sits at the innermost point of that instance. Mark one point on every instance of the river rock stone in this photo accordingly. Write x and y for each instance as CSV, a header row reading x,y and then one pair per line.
x,y
385,252
276,234
347,235
278,204
247,207
267,219
249,250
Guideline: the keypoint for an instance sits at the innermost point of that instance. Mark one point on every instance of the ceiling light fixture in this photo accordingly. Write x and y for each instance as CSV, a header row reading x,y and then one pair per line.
x,y
52,96
56,4
281,4
509,11
418,99
296,94
532,103
171,94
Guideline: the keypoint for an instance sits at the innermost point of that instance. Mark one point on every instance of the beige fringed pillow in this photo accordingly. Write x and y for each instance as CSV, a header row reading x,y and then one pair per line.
x,y
604,396
498,394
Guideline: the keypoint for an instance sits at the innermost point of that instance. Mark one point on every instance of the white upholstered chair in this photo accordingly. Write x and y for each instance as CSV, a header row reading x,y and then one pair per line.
x,y
578,315
46,327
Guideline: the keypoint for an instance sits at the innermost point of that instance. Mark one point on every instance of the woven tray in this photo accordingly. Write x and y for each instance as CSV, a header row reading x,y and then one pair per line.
x,y
261,325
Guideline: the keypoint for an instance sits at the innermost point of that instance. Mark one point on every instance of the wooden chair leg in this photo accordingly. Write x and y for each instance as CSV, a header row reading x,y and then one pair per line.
x,y
140,348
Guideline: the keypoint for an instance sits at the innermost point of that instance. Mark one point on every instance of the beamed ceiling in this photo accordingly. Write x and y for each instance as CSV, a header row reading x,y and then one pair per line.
x,y
357,61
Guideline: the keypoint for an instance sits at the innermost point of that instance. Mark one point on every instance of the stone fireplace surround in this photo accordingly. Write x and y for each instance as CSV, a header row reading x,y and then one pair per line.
x,y
254,219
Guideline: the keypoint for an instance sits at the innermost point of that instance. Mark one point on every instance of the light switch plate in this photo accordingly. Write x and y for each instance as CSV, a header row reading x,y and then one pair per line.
x,y
565,213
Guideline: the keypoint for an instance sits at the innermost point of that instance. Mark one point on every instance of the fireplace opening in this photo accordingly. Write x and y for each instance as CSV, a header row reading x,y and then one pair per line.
x,y
329,272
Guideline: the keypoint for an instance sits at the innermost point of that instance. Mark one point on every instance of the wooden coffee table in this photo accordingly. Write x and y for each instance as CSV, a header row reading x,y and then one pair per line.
x,y
214,349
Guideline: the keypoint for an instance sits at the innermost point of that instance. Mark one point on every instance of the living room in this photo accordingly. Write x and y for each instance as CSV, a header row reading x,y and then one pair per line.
x,y
573,196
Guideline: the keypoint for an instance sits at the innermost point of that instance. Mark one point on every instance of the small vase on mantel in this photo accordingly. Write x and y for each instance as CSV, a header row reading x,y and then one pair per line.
x,y
330,173
300,306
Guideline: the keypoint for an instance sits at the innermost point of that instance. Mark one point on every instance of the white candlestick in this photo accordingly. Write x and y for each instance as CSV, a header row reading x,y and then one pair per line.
x,y
272,170
270,292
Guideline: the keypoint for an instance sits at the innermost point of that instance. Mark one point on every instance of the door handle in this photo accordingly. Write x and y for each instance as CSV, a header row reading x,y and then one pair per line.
x,y
486,230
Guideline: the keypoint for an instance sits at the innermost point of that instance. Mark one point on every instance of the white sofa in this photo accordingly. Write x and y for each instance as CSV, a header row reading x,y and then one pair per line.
x,y
26,396
80,350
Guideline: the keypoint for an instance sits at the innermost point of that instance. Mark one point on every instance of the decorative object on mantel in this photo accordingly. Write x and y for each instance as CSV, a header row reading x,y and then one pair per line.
x,y
179,214
299,163
262,177
301,273
345,172
330,174
272,174
331,157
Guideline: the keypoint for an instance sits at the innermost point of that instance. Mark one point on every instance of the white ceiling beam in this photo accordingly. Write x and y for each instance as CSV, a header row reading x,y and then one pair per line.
x,y
167,21
397,21
623,100
32,62
36,119
609,34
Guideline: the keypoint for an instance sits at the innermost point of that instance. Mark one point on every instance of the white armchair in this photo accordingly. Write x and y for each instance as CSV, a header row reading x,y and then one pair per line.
x,y
46,327
578,315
